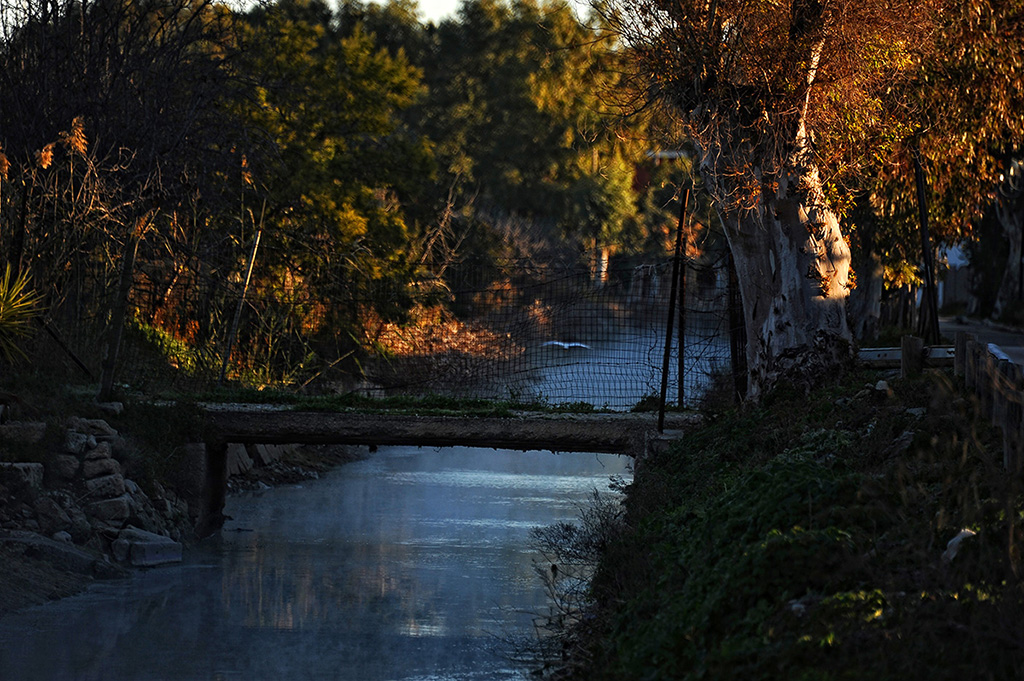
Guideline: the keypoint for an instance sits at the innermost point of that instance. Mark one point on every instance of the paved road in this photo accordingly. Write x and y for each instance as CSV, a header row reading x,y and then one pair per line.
x,y
1009,340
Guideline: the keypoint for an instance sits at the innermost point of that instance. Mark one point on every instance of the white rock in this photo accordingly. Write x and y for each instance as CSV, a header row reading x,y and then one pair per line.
x,y
91,426
114,408
96,468
120,548
114,511
50,516
145,549
98,451
65,466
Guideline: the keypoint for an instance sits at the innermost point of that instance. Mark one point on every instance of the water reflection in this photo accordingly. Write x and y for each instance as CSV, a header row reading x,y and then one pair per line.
x,y
410,565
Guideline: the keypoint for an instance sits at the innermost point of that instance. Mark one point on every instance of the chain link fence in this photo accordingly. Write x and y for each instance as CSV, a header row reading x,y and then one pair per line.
x,y
514,330
559,336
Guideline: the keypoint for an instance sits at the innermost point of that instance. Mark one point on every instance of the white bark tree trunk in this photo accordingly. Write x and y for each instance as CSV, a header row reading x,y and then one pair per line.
x,y
792,260
1011,218
793,264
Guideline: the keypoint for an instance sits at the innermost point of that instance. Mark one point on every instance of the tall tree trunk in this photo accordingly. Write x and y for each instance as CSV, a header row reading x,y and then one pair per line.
x,y
792,260
1011,218
792,263
865,305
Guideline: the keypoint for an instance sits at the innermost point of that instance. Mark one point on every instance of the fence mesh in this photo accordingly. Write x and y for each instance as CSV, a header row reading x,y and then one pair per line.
x,y
558,336
520,331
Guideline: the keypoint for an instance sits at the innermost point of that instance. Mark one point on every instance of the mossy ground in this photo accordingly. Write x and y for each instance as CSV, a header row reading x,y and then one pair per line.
x,y
804,540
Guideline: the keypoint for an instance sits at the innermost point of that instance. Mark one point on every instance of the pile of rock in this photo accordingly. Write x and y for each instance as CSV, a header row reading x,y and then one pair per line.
x,y
81,496
261,466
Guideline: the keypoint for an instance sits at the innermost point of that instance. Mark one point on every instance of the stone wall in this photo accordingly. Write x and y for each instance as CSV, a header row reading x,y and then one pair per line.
x,y
80,497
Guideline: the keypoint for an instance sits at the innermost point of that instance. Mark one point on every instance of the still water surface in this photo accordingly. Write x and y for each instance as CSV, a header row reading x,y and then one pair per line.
x,y
618,373
413,564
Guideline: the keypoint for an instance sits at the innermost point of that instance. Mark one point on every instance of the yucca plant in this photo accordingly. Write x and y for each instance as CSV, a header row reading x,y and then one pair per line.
x,y
18,305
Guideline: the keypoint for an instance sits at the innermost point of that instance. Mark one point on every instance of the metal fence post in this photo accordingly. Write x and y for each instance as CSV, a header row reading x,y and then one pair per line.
x,y
737,334
684,229
671,314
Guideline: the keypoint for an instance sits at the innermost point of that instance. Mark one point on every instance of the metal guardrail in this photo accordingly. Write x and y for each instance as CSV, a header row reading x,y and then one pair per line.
x,y
998,384
882,358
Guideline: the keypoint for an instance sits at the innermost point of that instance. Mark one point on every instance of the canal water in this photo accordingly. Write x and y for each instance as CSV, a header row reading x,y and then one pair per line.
x,y
413,564
618,374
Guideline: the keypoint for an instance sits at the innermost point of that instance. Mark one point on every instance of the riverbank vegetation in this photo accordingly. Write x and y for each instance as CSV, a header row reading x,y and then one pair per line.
x,y
339,197
297,193
864,531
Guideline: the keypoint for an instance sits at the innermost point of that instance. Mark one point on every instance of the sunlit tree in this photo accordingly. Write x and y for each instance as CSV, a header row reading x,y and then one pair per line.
x,y
516,109
783,101
109,114
333,161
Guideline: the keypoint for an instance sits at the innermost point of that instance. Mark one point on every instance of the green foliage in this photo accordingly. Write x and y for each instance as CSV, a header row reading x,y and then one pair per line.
x,y
19,304
521,109
173,352
377,157
803,540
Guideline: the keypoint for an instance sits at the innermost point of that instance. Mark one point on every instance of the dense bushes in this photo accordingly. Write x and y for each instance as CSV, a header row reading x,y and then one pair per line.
x,y
806,540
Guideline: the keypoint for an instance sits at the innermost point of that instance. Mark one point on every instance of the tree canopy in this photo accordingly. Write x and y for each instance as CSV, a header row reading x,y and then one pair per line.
x,y
375,155
800,108
150,148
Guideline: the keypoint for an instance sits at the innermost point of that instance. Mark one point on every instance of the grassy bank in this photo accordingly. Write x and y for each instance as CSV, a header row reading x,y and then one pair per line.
x,y
805,540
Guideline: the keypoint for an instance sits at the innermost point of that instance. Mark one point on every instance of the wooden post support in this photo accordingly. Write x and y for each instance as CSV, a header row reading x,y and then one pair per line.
x,y
676,261
970,365
1000,394
1013,419
210,516
1014,460
985,386
960,352
912,356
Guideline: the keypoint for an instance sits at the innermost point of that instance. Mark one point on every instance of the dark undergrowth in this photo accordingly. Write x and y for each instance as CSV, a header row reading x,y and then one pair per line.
x,y
805,540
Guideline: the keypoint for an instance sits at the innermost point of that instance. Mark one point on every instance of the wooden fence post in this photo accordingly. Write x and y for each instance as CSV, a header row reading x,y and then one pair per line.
x,y
960,352
1011,381
1013,418
1000,391
986,379
911,356
999,387
970,365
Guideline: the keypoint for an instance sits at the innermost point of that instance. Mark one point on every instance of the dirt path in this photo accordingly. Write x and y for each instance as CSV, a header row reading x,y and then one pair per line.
x,y
1009,340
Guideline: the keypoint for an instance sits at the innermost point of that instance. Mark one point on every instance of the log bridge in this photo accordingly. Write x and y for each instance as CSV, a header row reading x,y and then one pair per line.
x,y
628,434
